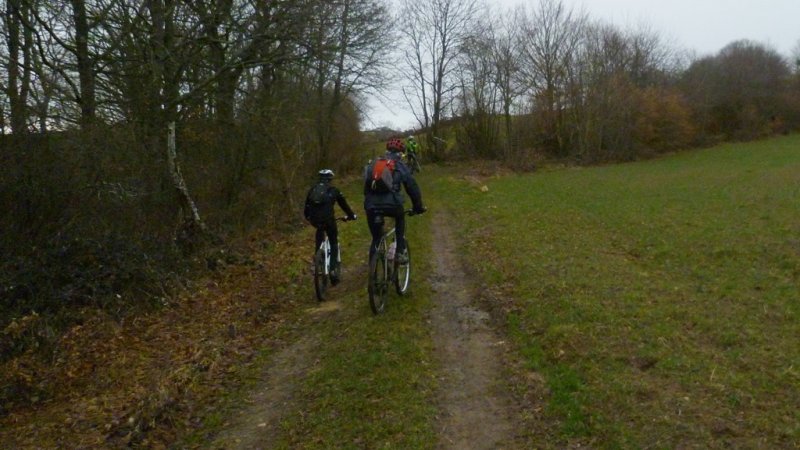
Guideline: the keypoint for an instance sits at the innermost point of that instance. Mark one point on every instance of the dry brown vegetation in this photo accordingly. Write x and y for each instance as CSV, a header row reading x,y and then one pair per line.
x,y
110,383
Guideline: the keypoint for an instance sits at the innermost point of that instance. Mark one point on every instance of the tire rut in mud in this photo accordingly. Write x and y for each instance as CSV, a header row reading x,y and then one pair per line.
x,y
477,409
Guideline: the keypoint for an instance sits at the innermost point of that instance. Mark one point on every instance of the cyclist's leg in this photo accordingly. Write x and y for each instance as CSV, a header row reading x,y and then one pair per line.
x,y
400,229
376,229
319,237
333,237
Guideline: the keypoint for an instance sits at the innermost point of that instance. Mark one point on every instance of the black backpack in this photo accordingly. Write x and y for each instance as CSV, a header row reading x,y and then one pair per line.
x,y
318,195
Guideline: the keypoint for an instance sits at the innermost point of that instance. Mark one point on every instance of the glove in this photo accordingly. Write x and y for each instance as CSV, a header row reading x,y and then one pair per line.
x,y
352,217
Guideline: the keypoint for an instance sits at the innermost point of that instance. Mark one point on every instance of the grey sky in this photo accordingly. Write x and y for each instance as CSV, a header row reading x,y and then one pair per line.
x,y
704,26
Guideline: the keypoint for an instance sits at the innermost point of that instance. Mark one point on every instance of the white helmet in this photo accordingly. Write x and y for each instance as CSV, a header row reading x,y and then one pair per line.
x,y
326,173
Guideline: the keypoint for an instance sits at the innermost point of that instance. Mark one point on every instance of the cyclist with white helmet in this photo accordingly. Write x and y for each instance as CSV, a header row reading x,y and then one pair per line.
x,y
319,212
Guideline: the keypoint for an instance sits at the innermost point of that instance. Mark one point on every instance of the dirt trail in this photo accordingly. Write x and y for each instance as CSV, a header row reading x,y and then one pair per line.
x,y
476,405
253,425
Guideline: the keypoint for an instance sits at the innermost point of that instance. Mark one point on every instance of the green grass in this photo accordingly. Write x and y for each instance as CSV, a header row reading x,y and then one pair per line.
x,y
659,300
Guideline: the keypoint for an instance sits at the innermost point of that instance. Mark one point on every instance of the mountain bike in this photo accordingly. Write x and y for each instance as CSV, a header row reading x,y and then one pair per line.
x,y
384,269
323,275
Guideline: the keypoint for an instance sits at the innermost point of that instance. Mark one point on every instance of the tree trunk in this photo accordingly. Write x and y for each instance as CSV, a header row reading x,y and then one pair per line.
x,y
228,77
326,130
85,65
16,90
192,229
190,213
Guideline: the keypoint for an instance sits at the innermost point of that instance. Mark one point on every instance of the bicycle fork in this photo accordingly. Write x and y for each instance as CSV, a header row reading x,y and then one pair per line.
x,y
326,250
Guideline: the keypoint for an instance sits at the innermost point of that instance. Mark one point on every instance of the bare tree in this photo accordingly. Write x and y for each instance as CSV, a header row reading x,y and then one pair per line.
x,y
86,69
171,59
794,58
68,49
479,95
19,41
434,33
549,38
505,53
352,43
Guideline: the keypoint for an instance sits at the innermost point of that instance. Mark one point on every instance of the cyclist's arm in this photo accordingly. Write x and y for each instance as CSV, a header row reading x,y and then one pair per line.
x,y
367,176
412,188
343,204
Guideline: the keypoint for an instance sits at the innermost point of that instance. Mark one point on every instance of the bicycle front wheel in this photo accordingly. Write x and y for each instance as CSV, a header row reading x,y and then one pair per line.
x,y
402,274
378,286
320,277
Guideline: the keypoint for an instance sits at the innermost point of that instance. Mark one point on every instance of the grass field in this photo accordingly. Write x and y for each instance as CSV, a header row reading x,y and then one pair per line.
x,y
659,301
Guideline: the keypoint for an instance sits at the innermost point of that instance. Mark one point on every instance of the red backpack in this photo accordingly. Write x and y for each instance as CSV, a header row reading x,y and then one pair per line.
x,y
382,175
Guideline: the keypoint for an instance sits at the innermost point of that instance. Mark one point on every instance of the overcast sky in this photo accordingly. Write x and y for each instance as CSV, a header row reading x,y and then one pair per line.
x,y
704,26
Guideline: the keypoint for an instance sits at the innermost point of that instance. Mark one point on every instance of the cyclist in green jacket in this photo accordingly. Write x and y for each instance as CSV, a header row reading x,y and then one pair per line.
x,y
412,154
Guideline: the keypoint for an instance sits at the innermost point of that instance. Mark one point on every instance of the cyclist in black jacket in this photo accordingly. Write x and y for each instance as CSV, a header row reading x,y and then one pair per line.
x,y
389,202
318,212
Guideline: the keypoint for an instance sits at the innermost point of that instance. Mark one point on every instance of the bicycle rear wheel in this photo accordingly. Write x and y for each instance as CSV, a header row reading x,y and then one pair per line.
x,y
320,277
402,274
378,286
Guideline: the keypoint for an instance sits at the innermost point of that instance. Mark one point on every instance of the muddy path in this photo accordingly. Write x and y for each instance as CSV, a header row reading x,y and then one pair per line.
x,y
477,409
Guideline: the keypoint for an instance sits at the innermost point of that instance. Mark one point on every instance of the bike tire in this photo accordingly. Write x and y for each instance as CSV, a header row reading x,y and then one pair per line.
x,y
411,163
378,286
320,277
402,274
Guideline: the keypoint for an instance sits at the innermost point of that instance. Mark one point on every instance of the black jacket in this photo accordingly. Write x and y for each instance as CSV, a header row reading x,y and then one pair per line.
x,y
318,214
395,198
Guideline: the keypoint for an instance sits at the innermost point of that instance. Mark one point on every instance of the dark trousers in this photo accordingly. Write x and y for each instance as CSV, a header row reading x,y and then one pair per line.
x,y
329,227
376,227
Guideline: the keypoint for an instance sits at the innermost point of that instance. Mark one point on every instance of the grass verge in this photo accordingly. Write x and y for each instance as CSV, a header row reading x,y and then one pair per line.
x,y
658,300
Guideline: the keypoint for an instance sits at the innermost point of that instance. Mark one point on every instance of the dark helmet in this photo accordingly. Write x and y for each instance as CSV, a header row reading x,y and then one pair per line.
x,y
395,145
325,174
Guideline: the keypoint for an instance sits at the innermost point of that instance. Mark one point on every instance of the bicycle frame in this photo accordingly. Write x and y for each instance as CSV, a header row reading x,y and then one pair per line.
x,y
325,246
322,265
412,160
385,271
385,238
